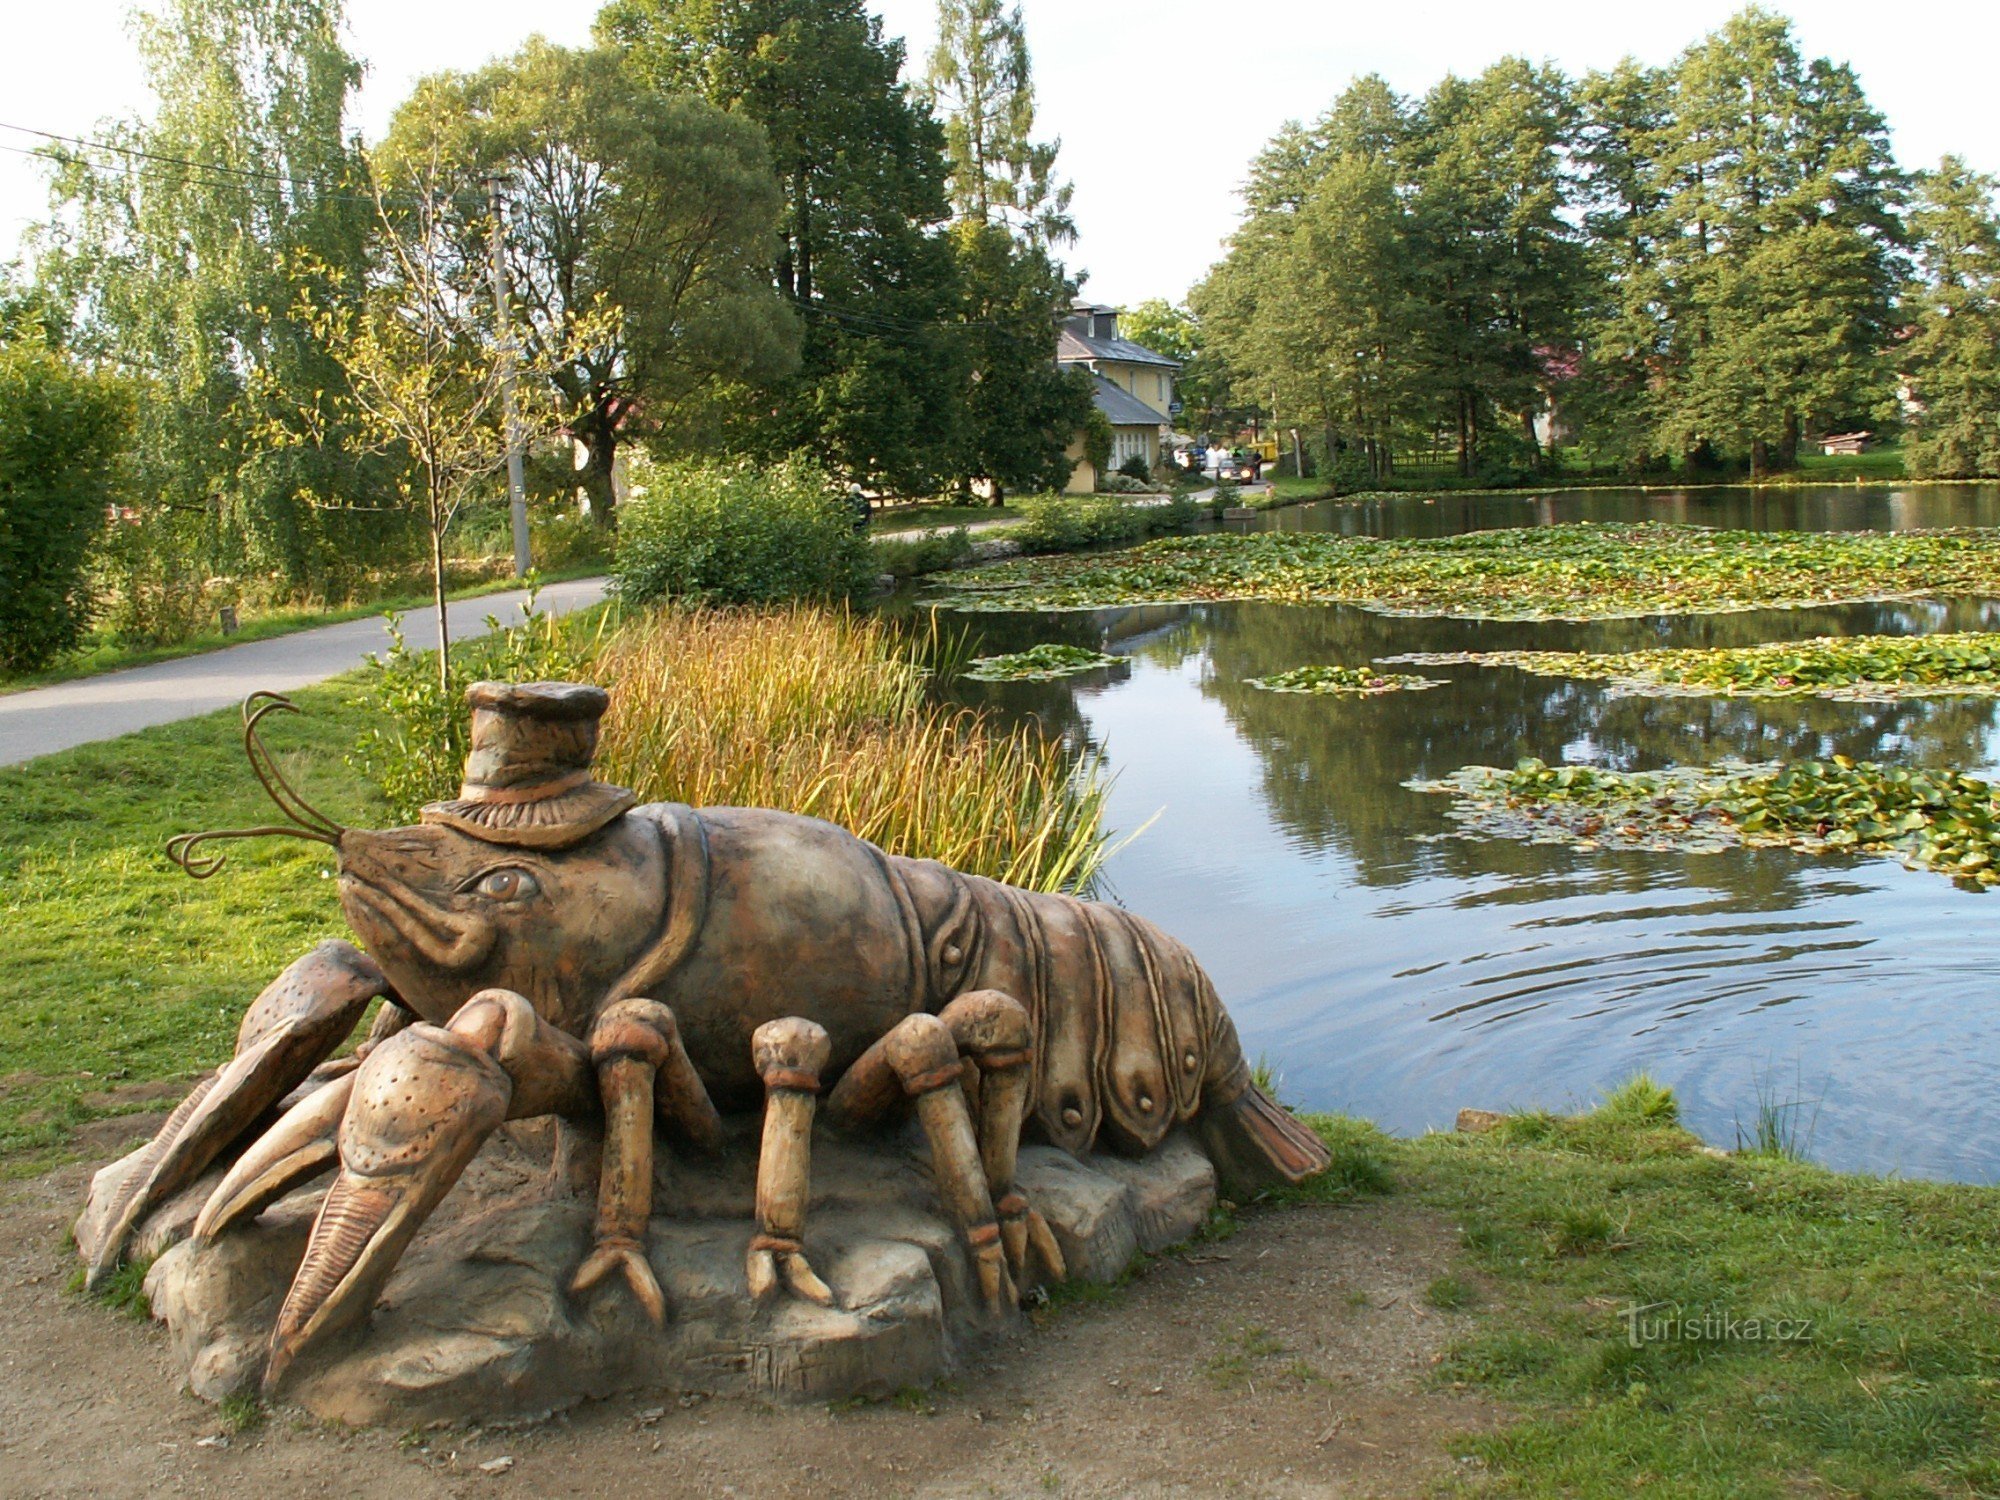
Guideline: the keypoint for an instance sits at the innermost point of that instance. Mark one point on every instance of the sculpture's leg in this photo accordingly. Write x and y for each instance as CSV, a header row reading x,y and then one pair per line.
x,y
994,1031
790,1056
301,1016
636,1048
918,1059
422,1104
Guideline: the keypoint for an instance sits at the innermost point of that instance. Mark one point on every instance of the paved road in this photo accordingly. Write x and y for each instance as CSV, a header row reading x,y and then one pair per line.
x,y
44,720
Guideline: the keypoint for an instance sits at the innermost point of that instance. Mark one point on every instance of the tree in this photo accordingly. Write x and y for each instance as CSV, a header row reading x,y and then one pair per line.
x,y
981,83
1775,233
1500,258
61,430
173,256
860,252
421,367
1953,354
659,206
1020,410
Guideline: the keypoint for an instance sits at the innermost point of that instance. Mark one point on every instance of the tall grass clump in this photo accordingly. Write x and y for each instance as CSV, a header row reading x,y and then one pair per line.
x,y
827,713
700,533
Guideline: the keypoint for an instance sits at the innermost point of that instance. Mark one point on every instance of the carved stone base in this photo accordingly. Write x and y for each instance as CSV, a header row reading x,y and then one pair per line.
x,y
477,1322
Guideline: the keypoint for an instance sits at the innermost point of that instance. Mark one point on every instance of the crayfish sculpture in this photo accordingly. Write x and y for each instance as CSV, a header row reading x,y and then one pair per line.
x,y
544,947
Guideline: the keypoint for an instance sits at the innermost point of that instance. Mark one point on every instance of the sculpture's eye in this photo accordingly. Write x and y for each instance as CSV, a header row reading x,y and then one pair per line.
x,y
510,884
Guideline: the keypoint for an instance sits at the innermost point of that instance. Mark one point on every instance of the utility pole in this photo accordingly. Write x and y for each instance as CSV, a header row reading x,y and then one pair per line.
x,y
517,489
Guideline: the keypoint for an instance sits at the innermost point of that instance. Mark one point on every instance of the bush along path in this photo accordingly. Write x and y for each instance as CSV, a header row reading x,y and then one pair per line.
x,y
1572,572
1861,669
1943,821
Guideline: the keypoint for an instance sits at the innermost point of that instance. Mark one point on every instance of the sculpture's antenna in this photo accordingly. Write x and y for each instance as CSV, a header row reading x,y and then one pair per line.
x,y
307,821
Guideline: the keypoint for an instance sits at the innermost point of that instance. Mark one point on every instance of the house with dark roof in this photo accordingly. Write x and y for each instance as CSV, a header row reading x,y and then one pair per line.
x,y
1133,387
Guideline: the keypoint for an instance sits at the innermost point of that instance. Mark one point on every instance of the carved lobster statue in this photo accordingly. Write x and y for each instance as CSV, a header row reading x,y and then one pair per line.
x,y
546,948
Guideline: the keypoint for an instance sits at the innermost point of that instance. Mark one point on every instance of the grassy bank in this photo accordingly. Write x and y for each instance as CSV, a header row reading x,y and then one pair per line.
x,y
1802,1332
121,971
1578,571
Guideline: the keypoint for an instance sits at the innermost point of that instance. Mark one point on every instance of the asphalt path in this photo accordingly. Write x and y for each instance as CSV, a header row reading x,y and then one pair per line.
x,y
44,720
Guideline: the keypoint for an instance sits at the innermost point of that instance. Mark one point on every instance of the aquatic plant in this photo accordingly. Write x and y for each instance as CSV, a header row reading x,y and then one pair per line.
x,y
1945,821
826,713
1574,572
1040,663
1866,668
1349,681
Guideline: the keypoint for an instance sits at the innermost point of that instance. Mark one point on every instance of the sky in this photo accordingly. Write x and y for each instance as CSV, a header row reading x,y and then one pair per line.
x,y
1159,104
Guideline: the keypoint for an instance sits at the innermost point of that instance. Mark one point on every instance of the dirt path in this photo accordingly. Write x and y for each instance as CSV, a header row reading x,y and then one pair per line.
x,y
1289,1360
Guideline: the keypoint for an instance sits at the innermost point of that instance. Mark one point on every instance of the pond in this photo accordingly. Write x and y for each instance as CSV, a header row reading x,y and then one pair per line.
x,y
1387,971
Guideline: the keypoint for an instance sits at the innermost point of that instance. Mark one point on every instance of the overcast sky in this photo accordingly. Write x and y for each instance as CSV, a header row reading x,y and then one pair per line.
x,y
1153,99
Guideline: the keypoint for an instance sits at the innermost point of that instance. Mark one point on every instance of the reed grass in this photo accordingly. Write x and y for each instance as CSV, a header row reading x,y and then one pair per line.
x,y
828,713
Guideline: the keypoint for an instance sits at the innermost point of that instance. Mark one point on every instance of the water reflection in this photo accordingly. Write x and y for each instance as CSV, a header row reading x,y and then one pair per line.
x,y
1799,508
1401,976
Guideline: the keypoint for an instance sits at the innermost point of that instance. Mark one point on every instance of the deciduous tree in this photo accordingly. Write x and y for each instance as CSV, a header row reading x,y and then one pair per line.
x,y
658,208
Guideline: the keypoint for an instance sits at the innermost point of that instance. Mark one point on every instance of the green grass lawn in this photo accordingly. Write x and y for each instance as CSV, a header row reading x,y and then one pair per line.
x,y
1806,1332
1288,489
122,970
915,517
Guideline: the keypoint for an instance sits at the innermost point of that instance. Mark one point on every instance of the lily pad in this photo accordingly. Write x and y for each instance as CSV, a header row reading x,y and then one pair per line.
x,y
1573,572
1361,682
1867,668
1945,821
1040,663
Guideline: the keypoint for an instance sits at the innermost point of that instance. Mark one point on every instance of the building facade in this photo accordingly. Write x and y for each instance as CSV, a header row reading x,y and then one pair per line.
x,y
1133,387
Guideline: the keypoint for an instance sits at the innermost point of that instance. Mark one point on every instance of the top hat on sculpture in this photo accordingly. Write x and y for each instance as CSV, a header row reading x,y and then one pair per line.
x,y
527,780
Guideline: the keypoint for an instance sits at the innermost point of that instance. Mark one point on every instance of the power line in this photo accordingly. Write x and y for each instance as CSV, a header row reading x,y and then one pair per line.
x,y
138,153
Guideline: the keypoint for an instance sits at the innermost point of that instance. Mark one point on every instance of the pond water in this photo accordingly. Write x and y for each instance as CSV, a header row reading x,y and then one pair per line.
x,y
1388,972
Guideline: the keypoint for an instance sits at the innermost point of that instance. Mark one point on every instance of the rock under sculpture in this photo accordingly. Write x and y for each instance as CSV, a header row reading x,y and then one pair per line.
x,y
649,975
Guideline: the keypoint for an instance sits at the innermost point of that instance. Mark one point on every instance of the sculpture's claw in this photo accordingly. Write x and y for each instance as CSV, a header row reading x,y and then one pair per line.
x,y
300,1017
774,1263
422,1104
989,1261
1029,1242
629,1259
299,1147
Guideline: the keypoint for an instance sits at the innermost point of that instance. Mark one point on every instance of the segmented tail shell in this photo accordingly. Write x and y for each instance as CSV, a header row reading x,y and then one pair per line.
x,y
1128,1029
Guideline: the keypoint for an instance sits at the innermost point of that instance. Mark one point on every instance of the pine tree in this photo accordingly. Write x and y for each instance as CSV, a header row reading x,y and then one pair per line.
x,y
1953,355
981,83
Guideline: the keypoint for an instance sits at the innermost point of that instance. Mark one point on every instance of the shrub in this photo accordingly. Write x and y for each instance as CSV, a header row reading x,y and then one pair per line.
x,y
151,582
714,535
418,754
567,541
1136,467
60,433
1072,523
928,552
1123,484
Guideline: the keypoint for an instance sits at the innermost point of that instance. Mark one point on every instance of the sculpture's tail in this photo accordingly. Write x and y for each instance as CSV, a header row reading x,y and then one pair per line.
x,y
1254,1142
